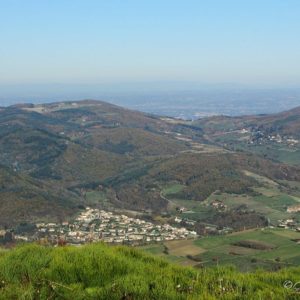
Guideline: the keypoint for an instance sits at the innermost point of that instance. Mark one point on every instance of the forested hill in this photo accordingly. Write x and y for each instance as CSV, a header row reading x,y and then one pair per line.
x,y
58,157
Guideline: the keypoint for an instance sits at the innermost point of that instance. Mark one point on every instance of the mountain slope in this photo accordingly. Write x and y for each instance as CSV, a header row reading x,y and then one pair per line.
x,y
199,176
24,199
64,151
284,123
62,146
275,137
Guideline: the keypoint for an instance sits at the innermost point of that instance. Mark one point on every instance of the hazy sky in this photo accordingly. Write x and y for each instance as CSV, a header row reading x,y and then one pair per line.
x,y
107,41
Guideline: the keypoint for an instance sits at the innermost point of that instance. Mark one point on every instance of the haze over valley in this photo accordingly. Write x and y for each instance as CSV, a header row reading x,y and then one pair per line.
x,y
149,150
187,101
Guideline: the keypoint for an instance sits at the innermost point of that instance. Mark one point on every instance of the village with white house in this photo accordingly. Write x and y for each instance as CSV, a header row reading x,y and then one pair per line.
x,y
260,137
93,225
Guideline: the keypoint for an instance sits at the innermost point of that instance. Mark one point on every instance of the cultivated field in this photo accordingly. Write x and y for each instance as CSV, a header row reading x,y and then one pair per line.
x,y
272,250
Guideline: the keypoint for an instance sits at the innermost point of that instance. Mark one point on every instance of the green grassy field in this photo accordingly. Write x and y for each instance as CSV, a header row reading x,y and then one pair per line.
x,y
275,151
103,272
95,197
273,207
269,198
270,202
222,247
220,250
172,189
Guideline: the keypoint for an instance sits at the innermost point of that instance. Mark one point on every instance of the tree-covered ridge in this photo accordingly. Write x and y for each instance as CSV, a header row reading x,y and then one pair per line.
x,y
98,271
61,153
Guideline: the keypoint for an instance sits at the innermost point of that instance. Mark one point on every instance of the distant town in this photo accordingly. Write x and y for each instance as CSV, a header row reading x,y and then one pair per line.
x,y
259,137
94,225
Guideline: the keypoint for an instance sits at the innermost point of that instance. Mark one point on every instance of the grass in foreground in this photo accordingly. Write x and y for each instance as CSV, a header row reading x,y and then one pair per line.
x,y
99,271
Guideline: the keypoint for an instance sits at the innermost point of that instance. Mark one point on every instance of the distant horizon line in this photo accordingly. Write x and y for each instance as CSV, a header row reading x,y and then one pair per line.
x,y
138,83
124,107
